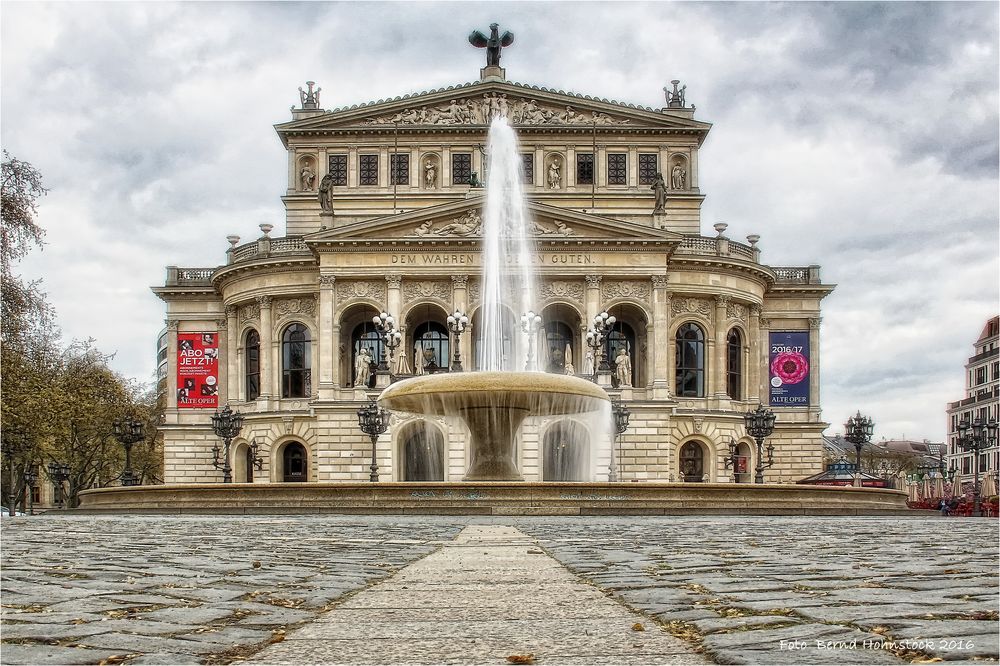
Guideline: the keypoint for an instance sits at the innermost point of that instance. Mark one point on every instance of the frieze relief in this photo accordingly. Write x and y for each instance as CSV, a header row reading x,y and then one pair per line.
x,y
563,289
474,292
637,289
249,312
426,289
361,289
296,306
736,311
482,110
681,306
471,224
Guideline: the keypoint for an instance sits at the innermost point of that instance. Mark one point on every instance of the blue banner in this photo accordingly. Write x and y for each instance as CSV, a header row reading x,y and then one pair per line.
x,y
789,368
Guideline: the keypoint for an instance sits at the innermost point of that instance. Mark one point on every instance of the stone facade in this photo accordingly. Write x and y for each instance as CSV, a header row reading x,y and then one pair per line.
x,y
380,217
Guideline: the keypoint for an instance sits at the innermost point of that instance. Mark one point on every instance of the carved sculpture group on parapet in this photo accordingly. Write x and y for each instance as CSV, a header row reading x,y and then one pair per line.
x,y
480,111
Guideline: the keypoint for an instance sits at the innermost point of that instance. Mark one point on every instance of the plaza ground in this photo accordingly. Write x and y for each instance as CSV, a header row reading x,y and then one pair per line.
x,y
392,589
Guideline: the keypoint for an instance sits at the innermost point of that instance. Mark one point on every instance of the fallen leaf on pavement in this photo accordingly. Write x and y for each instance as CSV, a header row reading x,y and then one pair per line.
x,y
521,658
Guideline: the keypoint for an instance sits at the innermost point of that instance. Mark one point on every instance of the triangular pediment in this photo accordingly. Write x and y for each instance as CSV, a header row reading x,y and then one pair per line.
x,y
462,221
474,104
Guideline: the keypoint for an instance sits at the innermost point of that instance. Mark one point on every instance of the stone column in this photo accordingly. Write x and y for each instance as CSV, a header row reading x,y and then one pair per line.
x,y
593,298
173,326
540,177
753,357
267,354
763,361
569,168
460,301
814,403
663,351
719,360
327,342
232,356
633,166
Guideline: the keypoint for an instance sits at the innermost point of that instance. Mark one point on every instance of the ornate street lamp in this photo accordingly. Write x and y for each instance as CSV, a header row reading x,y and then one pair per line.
x,y
253,456
621,413
596,335
759,425
457,323
30,479
858,431
391,337
733,459
59,473
128,432
530,323
227,425
373,421
976,436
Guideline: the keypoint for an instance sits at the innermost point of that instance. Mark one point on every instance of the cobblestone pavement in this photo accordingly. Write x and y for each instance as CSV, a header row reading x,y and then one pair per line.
x,y
759,590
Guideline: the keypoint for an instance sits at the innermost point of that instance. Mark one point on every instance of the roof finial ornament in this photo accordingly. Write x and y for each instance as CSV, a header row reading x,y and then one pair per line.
x,y
675,97
493,44
309,98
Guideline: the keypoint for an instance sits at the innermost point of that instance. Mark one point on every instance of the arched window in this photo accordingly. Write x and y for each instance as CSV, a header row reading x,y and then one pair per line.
x,y
293,463
734,364
295,375
566,453
431,346
366,336
621,337
252,349
692,463
423,454
558,337
690,355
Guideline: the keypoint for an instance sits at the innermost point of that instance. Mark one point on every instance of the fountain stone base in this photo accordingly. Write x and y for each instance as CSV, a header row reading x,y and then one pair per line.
x,y
493,406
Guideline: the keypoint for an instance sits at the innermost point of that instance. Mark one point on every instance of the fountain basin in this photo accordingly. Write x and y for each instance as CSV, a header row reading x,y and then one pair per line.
x,y
493,406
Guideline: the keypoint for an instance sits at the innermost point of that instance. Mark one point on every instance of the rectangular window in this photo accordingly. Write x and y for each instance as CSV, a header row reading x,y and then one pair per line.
x,y
966,465
399,169
617,169
996,371
368,169
647,168
528,168
36,495
461,168
585,168
338,169
980,376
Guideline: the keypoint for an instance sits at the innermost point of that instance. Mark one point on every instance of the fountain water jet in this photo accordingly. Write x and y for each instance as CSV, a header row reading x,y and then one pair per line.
x,y
494,402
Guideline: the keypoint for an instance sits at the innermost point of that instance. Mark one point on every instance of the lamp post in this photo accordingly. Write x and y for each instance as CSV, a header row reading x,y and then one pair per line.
x,y
733,459
30,479
227,425
976,436
621,413
759,425
386,325
457,323
373,421
858,431
596,335
128,432
530,323
59,473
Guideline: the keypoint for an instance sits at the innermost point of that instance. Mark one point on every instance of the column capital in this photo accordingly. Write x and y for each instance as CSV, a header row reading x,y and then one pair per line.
x,y
327,281
232,311
460,281
593,281
755,311
222,324
814,322
264,302
659,281
172,324
393,280
722,300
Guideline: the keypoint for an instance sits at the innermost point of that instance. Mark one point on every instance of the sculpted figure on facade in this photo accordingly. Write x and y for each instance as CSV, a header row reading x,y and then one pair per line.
x,y
555,177
678,177
588,363
326,194
362,367
660,191
483,109
469,225
623,368
306,178
430,175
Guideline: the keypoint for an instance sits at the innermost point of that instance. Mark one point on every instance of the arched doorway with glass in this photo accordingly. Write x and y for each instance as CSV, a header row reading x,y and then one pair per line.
x,y
358,332
296,370
242,463
558,343
566,452
421,452
509,333
689,361
628,333
251,364
427,343
293,462
734,364
692,462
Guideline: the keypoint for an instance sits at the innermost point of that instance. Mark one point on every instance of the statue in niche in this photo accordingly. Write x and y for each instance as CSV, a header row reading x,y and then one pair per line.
x,y
660,190
678,176
555,177
306,178
362,367
418,360
588,363
623,368
430,175
326,194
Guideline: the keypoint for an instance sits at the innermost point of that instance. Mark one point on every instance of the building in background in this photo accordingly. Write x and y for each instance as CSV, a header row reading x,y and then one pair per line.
x,y
981,401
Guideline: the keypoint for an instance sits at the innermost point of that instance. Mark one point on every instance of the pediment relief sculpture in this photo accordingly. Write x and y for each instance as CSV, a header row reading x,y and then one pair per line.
x,y
481,110
471,224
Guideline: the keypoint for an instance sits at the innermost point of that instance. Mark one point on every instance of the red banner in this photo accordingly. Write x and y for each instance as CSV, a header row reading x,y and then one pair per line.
x,y
197,371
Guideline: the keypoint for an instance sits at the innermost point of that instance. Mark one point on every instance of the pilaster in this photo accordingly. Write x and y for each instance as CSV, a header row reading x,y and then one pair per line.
x,y
753,357
232,356
663,351
267,352
327,342
226,371
763,361
718,360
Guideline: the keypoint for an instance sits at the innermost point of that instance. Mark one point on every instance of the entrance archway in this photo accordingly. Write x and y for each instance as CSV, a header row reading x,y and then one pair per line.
x,y
294,463
422,454
692,463
566,453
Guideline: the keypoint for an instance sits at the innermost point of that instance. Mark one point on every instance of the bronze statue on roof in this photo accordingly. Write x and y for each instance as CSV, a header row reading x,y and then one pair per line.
x,y
492,44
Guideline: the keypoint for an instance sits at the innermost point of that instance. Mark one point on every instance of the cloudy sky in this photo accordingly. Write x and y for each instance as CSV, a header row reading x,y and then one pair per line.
x,y
859,136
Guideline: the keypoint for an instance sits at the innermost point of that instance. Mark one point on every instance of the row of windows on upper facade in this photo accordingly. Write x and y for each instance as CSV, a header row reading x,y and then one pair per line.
x,y
690,359
461,169
980,375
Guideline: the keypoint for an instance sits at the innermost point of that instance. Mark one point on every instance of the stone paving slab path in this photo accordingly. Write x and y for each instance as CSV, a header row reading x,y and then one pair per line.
x,y
466,603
